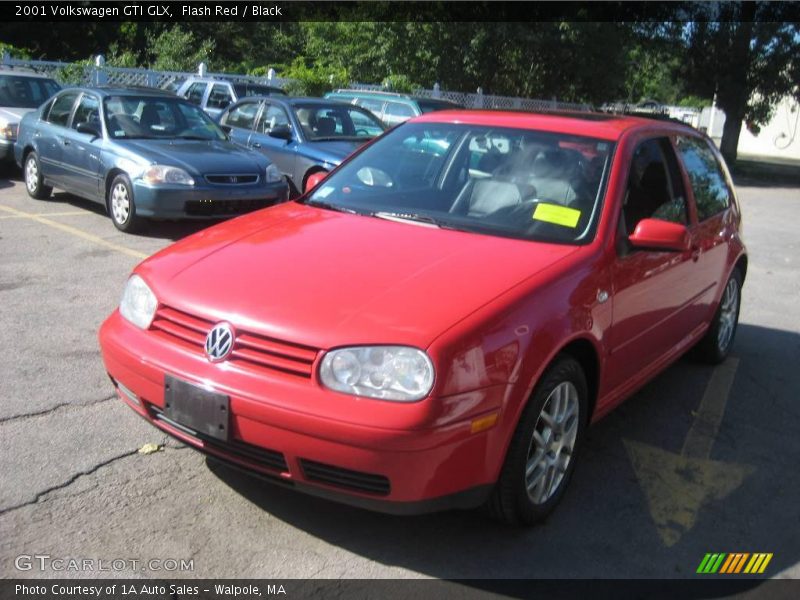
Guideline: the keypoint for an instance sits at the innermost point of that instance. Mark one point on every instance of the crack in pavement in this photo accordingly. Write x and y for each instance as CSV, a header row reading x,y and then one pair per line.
x,y
68,482
53,409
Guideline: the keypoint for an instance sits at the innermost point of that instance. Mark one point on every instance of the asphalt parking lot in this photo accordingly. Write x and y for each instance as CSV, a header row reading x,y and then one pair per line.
x,y
647,500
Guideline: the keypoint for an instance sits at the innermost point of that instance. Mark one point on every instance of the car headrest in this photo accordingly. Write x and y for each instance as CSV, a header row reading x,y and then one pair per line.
x,y
326,126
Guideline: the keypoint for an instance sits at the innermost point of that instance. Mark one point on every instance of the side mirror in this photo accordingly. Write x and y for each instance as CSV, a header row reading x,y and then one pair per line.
x,y
89,128
655,234
282,132
315,179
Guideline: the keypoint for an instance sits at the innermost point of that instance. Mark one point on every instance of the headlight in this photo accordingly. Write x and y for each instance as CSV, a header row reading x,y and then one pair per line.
x,y
273,174
9,131
166,174
138,304
397,373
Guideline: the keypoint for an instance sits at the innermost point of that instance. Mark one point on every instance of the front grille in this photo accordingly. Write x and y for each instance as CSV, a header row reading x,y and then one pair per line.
x,y
232,179
270,459
250,350
222,208
345,478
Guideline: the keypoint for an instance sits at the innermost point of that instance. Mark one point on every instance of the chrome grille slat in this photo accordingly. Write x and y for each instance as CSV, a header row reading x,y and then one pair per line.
x,y
254,350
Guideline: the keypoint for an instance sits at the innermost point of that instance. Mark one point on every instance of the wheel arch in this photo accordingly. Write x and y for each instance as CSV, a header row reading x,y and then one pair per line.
x,y
110,176
309,172
741,265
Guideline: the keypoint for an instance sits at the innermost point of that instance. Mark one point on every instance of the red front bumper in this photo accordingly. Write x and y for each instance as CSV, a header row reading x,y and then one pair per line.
x,y
400,470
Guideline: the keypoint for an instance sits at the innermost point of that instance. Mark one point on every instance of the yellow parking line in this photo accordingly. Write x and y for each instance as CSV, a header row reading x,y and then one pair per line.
x,y
76,232
73,213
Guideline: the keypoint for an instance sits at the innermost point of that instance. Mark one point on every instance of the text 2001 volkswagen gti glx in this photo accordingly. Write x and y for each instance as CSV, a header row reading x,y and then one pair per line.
x,y
437,322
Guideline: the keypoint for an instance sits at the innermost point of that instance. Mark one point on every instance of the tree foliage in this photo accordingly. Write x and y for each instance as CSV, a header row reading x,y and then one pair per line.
x,y
745,52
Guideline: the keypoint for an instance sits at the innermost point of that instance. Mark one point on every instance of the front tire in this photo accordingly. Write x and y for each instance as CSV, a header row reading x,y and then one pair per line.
x,y
34,181
542,453
121,207
718,340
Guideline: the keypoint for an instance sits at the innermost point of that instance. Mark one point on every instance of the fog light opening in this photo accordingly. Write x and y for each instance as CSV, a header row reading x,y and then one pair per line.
x,y
128,394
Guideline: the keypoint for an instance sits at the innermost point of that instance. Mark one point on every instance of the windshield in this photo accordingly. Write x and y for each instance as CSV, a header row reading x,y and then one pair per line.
x,y
508,182
18,91
337,122
151,117
248,89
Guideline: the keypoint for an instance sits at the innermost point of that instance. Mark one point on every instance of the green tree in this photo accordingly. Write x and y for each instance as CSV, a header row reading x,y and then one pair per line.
x,y
747,53
178,49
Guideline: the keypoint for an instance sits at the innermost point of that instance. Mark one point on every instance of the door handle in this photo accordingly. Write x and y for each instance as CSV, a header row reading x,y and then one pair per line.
x,y
65,142
255,145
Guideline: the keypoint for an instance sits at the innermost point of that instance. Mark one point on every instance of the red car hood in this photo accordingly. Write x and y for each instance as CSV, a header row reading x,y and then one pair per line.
x,y
324,278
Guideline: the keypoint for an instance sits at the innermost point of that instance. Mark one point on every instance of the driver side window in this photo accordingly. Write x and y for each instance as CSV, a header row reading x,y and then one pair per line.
x,y
655,188
271,117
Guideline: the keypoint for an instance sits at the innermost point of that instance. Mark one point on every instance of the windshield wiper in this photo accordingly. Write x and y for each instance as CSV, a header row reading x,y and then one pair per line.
x,y
413,217
193,137
329,206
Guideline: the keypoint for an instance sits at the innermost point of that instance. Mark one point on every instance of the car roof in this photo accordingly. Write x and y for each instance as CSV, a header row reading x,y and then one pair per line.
x,y
590,124
388,95
124,91
295,100
24,73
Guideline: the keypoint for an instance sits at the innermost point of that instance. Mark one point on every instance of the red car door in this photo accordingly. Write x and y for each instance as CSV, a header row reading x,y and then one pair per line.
x,y
655,292
712,197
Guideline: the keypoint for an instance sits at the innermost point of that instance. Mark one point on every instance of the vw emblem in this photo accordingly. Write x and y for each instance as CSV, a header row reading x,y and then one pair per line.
x,y
219,342
234,179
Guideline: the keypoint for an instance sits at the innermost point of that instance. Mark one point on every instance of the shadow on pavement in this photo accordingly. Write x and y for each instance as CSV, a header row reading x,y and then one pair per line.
x,y
604,527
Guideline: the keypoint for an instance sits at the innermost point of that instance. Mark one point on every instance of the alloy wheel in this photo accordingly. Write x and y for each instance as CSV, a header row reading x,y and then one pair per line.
x,y
729,310
553,443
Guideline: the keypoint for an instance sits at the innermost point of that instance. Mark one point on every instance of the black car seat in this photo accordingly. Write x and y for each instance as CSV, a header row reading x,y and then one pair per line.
x,y
326,127
149,116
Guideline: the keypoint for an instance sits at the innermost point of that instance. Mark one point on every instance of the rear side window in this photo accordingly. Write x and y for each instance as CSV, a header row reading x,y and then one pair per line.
x,y
374,106
243,116
396,113
195,92
61,109
711,191
220,96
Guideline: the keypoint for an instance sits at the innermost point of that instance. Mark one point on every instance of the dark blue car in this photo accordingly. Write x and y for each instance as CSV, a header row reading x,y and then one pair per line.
x,y
302,136
144,154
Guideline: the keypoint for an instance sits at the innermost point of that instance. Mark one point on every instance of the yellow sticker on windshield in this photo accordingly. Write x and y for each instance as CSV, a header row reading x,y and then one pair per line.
x,y
554,213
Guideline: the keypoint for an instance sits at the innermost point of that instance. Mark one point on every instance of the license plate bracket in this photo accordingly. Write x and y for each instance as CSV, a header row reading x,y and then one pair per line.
x,y
204,411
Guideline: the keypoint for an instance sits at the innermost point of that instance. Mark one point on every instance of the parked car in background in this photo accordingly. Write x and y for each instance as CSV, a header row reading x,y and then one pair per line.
x,y
215,95
389,107
439,320
144,154
302,136
20,93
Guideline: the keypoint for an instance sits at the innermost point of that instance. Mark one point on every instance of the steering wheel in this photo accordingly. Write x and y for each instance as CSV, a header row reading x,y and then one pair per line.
x,y
362,132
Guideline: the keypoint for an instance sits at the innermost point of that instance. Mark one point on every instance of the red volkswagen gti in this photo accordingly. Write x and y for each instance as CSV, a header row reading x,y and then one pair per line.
x,y
437,321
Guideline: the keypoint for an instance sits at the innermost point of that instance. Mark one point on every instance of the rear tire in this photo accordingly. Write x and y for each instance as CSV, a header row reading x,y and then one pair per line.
x,y
543,450
718,340
34,181
121,207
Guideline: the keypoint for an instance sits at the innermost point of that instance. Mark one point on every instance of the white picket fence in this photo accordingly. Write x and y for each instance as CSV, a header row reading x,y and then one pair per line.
x,y
101,74
481,100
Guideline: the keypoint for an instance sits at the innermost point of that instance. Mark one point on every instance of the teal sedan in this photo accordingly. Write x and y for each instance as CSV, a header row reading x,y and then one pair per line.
x,y
144,154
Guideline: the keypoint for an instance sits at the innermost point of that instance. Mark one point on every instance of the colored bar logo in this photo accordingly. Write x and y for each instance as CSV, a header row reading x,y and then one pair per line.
x,y
734,563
